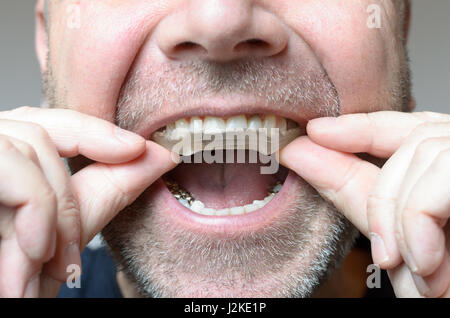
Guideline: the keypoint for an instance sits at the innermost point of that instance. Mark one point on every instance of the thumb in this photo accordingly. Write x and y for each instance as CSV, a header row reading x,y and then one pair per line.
x,y
103,190
341,178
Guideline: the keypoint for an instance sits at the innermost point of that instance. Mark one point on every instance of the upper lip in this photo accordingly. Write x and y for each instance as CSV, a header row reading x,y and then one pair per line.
x,y
222,108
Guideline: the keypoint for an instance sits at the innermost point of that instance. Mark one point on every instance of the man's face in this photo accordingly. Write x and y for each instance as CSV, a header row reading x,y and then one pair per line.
x,y
145,64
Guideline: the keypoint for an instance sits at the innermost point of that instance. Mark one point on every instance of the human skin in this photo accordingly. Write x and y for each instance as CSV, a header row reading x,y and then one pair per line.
x,y
128,34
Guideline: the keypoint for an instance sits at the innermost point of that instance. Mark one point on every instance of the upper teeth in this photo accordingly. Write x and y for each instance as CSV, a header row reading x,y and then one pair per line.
x,y
170,135
213,125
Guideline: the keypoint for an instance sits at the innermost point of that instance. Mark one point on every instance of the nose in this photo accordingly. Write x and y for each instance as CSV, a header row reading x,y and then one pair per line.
x,y
220,30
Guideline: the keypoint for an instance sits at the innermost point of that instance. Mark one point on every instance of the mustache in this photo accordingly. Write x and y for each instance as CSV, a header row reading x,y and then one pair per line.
x,y
149,89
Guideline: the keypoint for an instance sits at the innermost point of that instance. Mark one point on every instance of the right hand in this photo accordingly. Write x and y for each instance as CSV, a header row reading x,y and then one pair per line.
x,y
46,216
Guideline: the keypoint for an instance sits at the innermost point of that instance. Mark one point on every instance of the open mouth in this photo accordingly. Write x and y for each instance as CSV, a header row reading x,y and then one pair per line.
x,y
224,188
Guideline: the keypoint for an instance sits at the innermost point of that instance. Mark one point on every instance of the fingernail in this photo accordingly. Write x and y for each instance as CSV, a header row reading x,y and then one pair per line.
x,y
127,137
72,255
32,289
421,285
379,253
409,260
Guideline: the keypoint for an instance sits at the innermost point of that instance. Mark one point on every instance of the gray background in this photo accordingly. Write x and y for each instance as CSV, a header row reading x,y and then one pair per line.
x,y
429,47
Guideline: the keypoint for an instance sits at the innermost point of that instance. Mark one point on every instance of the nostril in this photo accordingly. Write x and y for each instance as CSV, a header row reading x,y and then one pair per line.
x,y
187,46
256,42
252,44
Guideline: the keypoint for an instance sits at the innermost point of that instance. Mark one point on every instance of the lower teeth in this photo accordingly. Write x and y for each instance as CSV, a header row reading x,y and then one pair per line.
x,y
186,199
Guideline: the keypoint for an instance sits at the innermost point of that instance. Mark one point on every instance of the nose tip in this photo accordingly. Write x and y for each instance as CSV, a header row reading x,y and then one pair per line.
x,y
221,30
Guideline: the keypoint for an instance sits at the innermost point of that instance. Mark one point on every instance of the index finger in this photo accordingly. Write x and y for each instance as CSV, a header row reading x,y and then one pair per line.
x,y
75,133
379,134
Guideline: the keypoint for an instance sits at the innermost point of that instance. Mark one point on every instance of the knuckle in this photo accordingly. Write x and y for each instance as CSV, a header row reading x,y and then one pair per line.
x,y
29,152
399,236
427,145
373,202
424,115
422,129
5,144
19,113
443,160
37,131
68,207
431,116
352,170
47,197
23,109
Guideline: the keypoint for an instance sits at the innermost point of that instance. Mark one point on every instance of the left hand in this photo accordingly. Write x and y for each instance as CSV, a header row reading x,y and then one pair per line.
x,y
402,207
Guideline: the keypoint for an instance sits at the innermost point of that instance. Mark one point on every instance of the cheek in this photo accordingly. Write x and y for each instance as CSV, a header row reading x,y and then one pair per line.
x,y
354,55
356,61
101,51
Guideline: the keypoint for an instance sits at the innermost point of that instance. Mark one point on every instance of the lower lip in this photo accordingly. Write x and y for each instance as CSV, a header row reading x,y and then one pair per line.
x,y
227,225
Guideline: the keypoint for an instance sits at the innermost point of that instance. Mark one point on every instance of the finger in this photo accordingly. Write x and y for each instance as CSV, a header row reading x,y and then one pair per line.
x,y
402,282
425,212
68,223
34,201
383,213
76,133
17,271
341,178
378,133
104,190
436,284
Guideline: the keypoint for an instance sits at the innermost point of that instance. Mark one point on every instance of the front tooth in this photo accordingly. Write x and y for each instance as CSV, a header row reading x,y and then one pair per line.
x,y
270,121
223,212
282,125
236,123
254,123
237,210
197,206
208,211
196,125
250,208
258,203
182,124
181,129
213,125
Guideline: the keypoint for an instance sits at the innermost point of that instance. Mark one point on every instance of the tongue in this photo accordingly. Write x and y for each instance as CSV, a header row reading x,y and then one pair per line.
x,y
221,186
